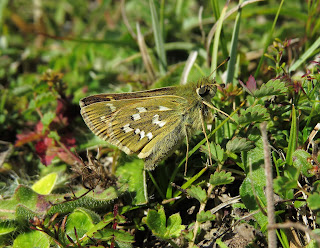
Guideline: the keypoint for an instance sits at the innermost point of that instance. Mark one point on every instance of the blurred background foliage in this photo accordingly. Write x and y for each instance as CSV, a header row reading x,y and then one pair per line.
x,y
53,53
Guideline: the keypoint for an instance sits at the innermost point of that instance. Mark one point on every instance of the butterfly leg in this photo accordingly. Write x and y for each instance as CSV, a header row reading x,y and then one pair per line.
x,y
205,135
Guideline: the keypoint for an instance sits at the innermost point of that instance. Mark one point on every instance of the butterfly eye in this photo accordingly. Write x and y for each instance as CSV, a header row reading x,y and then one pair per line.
x,y
203,91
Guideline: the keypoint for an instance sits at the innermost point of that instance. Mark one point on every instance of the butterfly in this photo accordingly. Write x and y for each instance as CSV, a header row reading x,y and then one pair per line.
x,y
151,123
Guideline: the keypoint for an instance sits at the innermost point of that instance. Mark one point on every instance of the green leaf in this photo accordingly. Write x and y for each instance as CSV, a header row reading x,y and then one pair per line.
x,y
82,220
44,99
204,216
48,118
252,188
255,114
301,162
45,185
7,227
239,144
283,185
312,244
221,178
314,201
156,221
133,174
221,244
216,151
95,230
32,239
174,227
122,238
271,88
198,193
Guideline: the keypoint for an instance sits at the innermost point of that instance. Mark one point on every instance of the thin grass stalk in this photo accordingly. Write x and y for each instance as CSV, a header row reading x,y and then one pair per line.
x,y
268,40
293,137
234,45
187,68
223,42
158,37
214,27
145,55
214,60
306,55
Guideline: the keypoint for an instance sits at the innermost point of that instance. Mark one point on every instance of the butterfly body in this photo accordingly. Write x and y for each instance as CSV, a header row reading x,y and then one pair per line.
x,y
151,123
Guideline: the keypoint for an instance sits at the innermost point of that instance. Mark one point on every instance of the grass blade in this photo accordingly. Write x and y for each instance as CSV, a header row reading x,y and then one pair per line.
x,y
234,45
158,37
268,40
306,55
145,55
214,60
293,137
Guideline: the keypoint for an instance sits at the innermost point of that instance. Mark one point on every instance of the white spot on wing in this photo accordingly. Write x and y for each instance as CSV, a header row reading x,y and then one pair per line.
x,y
103,119
149,135
136,117
137,131
142,135
111,106
156,121
141,109
126,128
163,108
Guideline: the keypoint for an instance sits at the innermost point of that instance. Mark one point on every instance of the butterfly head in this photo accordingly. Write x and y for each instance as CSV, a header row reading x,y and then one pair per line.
x,y
206,89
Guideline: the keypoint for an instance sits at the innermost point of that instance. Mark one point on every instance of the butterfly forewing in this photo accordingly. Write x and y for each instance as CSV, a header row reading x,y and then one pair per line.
x,y
123,96
136,125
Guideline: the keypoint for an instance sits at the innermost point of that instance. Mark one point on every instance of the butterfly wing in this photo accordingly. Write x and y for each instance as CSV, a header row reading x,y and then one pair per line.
x,y
127,96
149,126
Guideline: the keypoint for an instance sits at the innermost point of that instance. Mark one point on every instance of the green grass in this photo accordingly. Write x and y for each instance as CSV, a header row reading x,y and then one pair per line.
x,y
56,53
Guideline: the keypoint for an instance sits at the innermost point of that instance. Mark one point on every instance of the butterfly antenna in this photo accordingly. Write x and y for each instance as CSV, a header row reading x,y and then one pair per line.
x,y
221,64
213,107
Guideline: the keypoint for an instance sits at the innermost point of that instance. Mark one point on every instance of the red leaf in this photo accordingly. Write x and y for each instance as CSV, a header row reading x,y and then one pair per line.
x,y
44,150
30,136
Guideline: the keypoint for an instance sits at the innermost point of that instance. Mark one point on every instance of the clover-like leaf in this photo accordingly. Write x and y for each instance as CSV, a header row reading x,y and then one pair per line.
x,y
256,113
198,193
204,216
301,162
216,151
271,88
156,221
239,144
221,178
